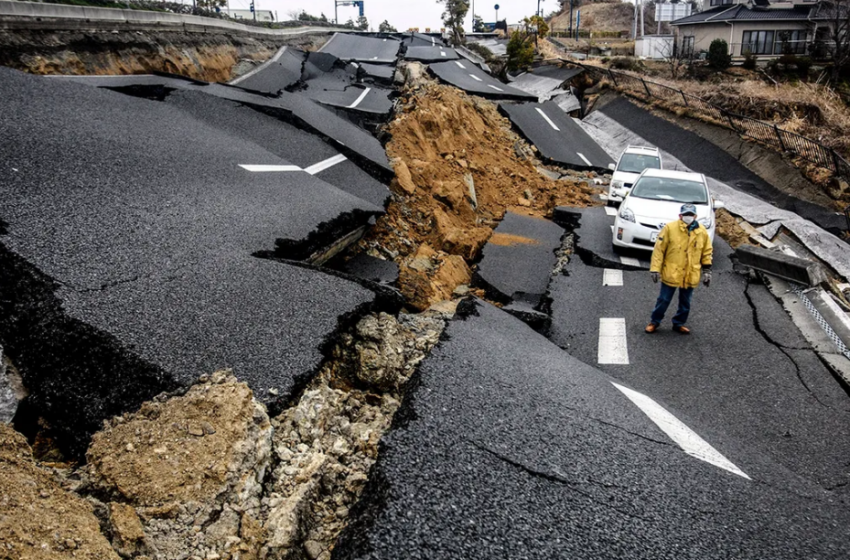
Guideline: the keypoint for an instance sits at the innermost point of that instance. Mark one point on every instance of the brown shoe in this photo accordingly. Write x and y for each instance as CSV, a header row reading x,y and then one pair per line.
x,y
682,329
651,328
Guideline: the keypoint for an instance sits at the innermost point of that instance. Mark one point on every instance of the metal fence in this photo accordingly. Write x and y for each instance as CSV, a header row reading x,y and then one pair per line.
x,y
765,133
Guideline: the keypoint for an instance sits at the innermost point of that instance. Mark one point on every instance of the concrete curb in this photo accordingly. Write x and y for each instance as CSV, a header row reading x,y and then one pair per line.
x,y
13,12
794,269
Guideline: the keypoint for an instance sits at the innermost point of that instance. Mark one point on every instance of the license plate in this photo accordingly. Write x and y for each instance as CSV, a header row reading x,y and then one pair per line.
x,y
653,236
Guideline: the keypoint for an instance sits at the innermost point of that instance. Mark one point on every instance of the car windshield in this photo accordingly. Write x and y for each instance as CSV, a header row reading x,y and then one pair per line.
x,y
673,190
635,163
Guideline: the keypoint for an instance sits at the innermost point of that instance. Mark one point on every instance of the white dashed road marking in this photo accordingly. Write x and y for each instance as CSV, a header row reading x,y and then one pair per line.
x,y
687,439
587,161
459,64
494,87
611,211
327,164
612,341
269,168
629,261
361,98
476,78
548,120
611,277
442,53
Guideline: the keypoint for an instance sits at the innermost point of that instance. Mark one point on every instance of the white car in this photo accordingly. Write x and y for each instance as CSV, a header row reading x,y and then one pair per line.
x,y
632,163
655,200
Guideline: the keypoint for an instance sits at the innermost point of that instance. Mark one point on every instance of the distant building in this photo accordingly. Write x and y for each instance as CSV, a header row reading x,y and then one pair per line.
x,y
764,28
262,15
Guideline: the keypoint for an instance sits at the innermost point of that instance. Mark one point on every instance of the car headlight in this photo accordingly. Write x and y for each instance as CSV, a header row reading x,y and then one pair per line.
x,y
628,215
705,222
617,184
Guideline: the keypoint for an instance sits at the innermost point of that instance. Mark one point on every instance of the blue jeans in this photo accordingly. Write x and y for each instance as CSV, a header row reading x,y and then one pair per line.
x,y
664,299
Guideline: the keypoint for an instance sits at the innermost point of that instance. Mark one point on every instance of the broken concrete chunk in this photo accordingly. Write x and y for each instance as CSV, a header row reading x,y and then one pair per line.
x,y
402,173
424,286
40,519
12,389
197,460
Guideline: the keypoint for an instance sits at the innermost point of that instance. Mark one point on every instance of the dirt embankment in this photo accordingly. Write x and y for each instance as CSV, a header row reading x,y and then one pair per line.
x,y
203,56
459,168
607,15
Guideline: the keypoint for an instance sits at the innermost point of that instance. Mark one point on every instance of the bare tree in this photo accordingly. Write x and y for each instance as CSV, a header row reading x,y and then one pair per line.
x,y
837,14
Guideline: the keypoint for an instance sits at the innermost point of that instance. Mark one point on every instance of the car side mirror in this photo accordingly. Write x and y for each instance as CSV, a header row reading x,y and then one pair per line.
x,y
612,167
718,204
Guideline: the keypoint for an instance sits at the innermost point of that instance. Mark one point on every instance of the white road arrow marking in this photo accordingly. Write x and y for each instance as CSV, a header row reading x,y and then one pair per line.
x,y
327,164
686,438
361,98
548,120
613,348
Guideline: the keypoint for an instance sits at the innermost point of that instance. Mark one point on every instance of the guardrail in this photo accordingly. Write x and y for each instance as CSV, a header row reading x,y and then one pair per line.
x,y
14,10
765,133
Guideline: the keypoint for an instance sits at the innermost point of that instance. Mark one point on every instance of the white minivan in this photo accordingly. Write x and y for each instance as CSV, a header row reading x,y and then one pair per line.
x,y
632,163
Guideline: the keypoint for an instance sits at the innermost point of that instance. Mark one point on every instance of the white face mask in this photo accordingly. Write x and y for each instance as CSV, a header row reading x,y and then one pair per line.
x,y
688,219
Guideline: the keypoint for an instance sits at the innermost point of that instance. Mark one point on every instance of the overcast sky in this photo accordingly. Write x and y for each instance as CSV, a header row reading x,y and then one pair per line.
x,y
402,14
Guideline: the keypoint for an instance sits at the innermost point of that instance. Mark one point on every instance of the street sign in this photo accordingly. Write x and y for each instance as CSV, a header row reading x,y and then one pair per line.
x,y
497,7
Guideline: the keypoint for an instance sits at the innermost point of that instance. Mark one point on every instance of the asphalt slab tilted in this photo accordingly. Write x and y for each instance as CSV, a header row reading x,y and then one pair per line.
x,y
594,231
275,76
558,137
466,76
362,49
507,447
518,259
129,228
431,54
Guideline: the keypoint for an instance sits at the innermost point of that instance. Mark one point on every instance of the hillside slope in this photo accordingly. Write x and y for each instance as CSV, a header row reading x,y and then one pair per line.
x,y
604,16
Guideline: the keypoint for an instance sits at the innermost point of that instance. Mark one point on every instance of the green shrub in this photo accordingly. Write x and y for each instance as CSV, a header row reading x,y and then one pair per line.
x,y
718,54
520,52
749,60
605,60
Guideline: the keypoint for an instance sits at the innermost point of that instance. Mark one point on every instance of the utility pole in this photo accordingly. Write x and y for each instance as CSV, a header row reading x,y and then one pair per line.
x,y
641,18
571,18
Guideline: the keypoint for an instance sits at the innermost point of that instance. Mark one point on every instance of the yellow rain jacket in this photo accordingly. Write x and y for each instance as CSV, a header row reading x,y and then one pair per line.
x,y
679,254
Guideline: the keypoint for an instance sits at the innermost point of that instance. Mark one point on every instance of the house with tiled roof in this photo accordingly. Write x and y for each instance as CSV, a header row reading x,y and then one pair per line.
x,y
765,28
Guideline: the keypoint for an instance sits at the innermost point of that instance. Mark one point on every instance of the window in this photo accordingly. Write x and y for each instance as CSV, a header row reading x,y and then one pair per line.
x,y
758,42
635,163
673,190
791,42
688,47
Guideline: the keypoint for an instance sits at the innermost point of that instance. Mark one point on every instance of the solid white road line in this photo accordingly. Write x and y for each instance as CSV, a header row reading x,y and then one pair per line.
x,y
433,42
612,277
494,87
361,98
687,439
587,161
629,261
327,164
269,168
476,78
548,120
459,64
259,68
613,348
610,210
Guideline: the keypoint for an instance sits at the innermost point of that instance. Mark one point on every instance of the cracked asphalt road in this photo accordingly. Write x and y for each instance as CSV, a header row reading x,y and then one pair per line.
x,y
131,227
508,447
746,373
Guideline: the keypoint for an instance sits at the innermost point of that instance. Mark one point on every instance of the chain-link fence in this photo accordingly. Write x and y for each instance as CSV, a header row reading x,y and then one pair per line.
x,y
765,133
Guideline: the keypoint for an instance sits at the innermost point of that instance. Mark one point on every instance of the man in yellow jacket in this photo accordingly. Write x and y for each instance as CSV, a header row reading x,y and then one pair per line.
x,y
682,254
